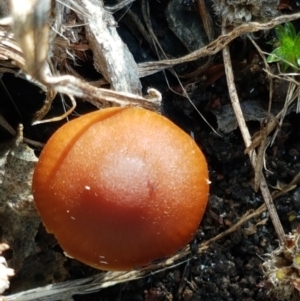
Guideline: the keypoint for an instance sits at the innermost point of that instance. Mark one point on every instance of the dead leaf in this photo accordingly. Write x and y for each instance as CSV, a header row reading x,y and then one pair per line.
x,y
19,220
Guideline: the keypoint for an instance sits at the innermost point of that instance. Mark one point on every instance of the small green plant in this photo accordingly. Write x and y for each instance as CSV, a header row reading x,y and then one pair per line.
x,y
287,51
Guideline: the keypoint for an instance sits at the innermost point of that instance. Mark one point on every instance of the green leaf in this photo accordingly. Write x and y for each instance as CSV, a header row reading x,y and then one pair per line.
x,y
273,57
290,30
279,31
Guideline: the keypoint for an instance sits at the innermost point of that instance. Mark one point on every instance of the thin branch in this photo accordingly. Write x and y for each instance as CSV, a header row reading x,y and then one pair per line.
x,y
216,46
247,139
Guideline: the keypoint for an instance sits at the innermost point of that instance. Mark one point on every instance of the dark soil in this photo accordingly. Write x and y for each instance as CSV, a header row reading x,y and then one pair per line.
x,y
230,269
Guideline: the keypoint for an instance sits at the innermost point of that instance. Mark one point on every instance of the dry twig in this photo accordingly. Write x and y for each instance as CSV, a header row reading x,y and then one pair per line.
x,y
247,139
216,46
31,30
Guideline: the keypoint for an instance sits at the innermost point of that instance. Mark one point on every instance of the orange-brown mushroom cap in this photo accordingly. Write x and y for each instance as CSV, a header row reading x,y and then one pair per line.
x,y
121,187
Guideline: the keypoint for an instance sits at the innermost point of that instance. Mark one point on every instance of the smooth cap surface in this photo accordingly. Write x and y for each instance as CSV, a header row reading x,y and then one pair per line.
x,y
121,187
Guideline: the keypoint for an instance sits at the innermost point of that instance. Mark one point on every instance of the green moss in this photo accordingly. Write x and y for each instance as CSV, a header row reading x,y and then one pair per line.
x,y
287,52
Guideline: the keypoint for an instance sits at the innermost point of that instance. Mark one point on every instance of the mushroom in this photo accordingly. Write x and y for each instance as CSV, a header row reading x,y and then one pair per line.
x,y
121,187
